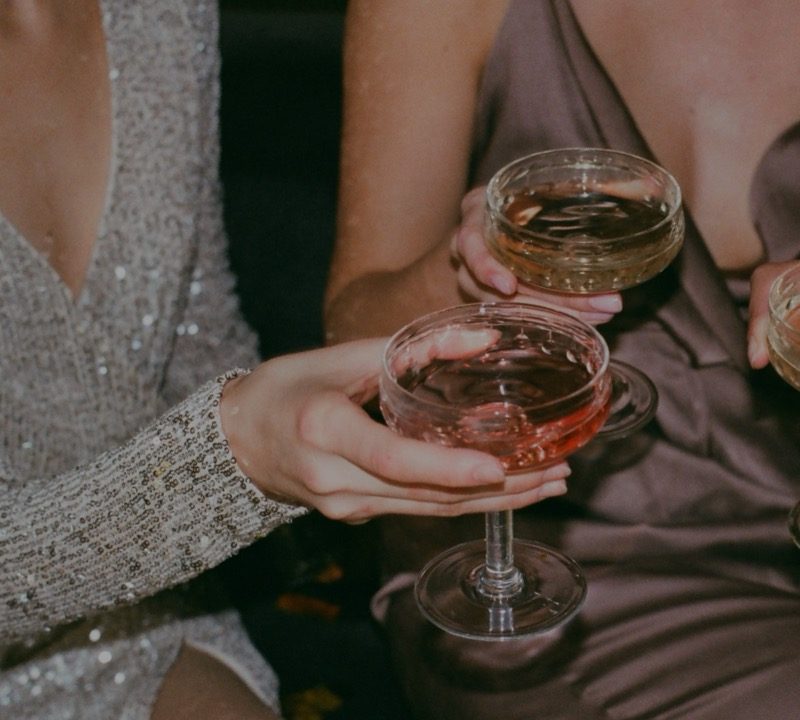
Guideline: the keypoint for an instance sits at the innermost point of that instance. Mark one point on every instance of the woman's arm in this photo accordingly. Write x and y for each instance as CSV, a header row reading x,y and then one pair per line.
x,y
411,76
168,504
217,472
409,238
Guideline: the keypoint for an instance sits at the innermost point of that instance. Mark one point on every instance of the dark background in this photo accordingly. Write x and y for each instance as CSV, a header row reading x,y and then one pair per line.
x,y
281,92
280,124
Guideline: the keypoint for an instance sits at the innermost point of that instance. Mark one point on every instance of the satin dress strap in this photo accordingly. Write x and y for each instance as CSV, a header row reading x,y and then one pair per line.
x,y
775,196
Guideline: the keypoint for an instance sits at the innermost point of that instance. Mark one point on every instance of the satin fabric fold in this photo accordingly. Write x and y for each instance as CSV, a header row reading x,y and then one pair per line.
x,y
693,610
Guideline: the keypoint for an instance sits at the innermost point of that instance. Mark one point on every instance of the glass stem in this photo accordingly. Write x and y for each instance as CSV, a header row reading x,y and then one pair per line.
x,y
500,578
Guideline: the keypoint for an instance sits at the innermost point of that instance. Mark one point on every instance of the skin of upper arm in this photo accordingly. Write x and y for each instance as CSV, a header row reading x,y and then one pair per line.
x,y
411,75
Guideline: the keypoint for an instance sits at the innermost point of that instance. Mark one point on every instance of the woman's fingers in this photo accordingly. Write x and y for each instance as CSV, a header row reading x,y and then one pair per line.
x,y
359,509
469,248
446,344
381,473
353,368
390,499
594,309
336,426
483,277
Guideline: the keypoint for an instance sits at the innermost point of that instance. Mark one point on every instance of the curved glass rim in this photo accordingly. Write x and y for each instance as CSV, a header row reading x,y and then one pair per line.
x,y
485,309
775,298
492,201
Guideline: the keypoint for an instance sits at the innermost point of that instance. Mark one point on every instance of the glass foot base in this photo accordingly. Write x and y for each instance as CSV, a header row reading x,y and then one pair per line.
x,y
553,589
634,400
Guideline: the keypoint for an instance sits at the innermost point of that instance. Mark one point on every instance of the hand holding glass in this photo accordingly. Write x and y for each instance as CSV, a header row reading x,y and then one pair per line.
x,y
529,385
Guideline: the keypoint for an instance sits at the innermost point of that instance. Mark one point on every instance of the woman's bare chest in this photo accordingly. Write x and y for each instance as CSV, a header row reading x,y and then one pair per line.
x,y
55,130
710,85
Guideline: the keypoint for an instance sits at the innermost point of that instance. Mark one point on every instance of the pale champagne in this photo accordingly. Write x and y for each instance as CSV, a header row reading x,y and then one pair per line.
x,y
584,242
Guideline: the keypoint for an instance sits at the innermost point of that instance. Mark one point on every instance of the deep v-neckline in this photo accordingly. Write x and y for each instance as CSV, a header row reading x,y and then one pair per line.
x,y
615,126
758,193
28,249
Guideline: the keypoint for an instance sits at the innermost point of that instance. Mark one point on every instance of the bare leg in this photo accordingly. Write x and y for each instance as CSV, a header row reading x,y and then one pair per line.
x,y
200,687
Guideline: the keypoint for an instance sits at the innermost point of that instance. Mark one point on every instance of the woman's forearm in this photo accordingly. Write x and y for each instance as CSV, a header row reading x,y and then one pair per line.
x,y
380,302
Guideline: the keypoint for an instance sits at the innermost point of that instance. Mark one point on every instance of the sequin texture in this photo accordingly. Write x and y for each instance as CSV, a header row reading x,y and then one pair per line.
x,y
117,488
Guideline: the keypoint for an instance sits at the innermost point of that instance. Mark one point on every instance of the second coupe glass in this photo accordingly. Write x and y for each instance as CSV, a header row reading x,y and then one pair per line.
x,y
589,220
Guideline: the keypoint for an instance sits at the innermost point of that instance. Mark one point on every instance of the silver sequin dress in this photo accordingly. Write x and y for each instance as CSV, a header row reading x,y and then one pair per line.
x,y
116,483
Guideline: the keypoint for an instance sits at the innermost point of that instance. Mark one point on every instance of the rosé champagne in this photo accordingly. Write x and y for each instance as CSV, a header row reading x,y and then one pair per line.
x,y
527,409
535,391
528,385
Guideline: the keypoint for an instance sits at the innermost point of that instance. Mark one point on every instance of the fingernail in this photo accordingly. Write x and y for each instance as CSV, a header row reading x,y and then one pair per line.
x,y
606,303
503,283
755,353
554,488
756,343
488,474
558,472
752,351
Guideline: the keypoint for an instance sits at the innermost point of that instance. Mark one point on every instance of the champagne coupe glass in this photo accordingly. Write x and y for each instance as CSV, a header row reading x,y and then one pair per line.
x,y
527,384
783,344
589,220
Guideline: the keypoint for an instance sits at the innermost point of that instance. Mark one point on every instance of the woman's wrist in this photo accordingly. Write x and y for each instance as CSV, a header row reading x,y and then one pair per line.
x,y
233,420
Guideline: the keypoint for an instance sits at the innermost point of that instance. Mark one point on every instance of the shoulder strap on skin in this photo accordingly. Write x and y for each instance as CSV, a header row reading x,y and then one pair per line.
x,y
543,87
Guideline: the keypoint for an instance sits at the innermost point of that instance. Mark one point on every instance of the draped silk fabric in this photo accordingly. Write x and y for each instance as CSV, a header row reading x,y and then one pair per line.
x,y
693,609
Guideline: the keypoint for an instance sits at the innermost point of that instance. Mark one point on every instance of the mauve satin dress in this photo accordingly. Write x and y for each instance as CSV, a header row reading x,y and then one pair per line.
x,y
693,609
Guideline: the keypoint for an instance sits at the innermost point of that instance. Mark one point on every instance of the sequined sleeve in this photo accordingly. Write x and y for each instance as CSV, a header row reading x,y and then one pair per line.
x,y
170,502
153,513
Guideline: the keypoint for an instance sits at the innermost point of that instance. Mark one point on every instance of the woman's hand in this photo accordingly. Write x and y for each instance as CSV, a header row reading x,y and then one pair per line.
x,y
760,282
483,277
297,429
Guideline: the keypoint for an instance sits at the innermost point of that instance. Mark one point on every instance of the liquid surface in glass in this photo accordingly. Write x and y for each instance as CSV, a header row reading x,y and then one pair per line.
x,y
594,215
584,242
508,405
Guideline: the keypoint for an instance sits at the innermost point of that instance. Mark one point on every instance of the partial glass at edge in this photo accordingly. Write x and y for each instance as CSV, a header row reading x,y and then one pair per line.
x,y
783,344
584,221
528,385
